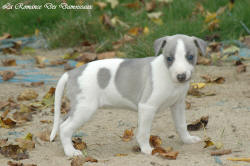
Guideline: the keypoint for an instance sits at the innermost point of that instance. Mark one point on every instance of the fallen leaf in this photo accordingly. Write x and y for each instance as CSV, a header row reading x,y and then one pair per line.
x,y
77,161
79,144
86,57
158,150
198,124
208,142
106,55
68,67
11,163
218,145
40,61
48,98
238,62
101,5
198,85
3,142
4,104
166,1
7,123
9,62
231,4
22,116
44,135
46,121
125,39
37,84
90,159
127,135
79,64
10,51
241,68
105,19
146,30
134,5
25,144
195,92
170,155
157,21
246,40
58,62
155,141
115,20
221,152
121,154
221,10
113,3
203,60
25,108
150,6
188,105
5,36
27,94
14,151
29,136
6,75
213,24
209,79
199,9
210,17
135,31
239,159
154,15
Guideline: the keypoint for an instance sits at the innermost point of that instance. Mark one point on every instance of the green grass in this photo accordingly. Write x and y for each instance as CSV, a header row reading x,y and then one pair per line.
x,y
68,28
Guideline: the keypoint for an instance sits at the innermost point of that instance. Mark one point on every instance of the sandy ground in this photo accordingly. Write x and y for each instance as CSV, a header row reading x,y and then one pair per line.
x,y
228,110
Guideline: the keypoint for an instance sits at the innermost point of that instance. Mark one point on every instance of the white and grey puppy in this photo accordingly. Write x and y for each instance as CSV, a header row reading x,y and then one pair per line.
x,y
143,84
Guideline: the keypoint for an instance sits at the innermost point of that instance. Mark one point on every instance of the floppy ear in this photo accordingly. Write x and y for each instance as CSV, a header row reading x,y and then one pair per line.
x,y
159,44
201,45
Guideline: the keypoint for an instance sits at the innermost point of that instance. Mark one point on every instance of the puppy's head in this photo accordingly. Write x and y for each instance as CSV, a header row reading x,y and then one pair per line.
x,y
180,55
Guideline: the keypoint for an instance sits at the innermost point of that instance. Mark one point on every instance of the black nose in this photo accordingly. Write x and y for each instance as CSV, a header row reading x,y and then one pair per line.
x,y
181,77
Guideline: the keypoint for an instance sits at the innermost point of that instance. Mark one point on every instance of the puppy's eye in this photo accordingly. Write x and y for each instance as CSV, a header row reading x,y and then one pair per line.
x,y
170,59
190,57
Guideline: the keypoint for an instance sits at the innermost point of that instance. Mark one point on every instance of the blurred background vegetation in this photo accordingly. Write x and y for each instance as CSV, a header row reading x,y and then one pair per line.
x,y
145,20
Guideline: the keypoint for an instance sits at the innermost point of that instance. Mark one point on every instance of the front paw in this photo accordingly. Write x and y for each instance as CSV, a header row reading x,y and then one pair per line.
x,y
146,149
191,139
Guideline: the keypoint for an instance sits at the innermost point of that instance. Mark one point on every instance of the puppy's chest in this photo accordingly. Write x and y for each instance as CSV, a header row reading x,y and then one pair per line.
x,y
168,94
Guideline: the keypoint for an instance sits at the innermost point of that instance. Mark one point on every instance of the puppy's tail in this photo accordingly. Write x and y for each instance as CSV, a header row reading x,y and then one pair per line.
x,y
57,105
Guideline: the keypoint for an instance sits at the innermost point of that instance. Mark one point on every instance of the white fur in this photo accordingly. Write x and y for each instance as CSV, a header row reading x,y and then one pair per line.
x,y
167,92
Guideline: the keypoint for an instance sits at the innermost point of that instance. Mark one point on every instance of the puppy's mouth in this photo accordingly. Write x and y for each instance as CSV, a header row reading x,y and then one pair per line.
x,y
184,81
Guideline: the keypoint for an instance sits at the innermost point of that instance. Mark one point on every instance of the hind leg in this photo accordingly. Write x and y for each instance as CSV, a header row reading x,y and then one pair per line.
x,y
81,114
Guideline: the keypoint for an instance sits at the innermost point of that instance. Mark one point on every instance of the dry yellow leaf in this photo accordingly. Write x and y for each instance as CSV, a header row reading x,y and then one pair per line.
x,y
198,85
80,64
210,16
127,135
101,5
239,159
146,30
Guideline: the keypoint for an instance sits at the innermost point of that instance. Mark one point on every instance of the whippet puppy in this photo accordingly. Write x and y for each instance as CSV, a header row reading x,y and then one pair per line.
x,y
143,84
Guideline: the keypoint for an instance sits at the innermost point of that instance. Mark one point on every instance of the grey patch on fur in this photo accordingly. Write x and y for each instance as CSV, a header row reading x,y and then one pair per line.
x,y
159,44
72,87
201,44
189,44
133,79
103,77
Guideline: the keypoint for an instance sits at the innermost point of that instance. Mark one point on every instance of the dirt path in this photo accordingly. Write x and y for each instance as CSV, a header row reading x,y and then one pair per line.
x,y
228,110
